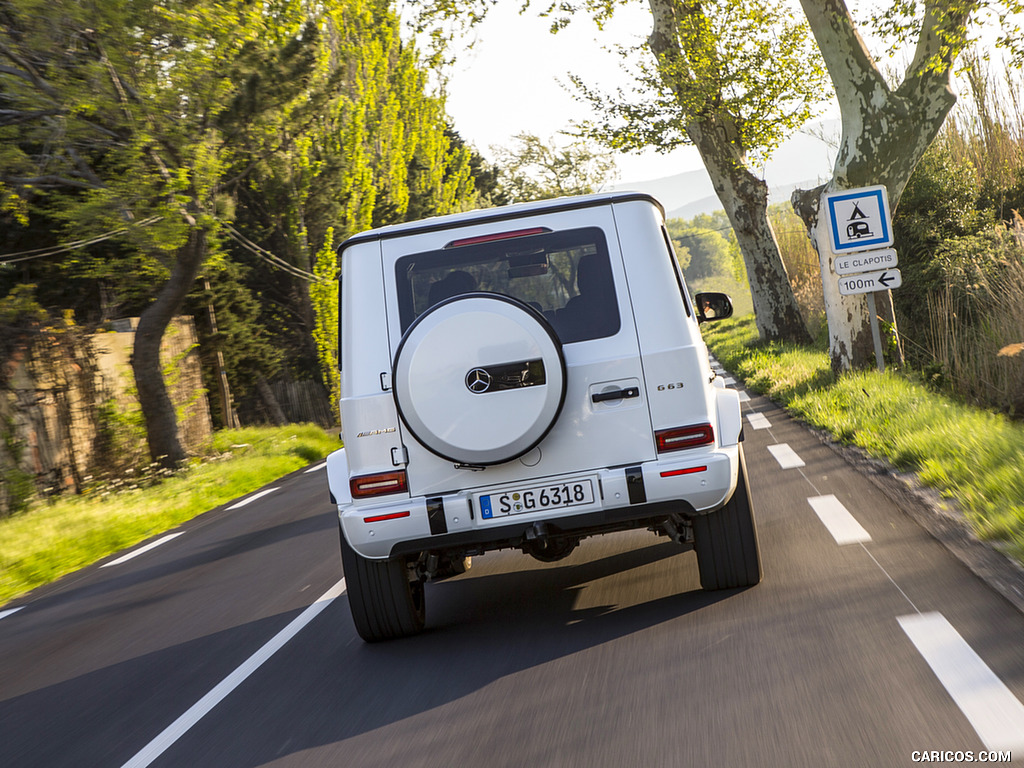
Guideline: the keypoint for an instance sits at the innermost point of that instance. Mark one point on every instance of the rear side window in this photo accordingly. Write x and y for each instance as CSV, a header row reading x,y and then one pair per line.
x,y
566,276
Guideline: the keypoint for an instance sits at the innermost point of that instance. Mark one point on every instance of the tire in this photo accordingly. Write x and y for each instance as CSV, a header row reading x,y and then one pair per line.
x,y
726,541
385,598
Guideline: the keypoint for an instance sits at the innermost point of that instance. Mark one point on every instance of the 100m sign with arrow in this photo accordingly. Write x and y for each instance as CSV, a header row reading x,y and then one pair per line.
x,y
869,282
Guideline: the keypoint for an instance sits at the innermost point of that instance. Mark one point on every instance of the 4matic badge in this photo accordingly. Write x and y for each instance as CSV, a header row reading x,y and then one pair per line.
x,y
373,432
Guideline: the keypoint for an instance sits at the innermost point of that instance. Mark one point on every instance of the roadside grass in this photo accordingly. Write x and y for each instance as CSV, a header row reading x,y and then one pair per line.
x,y
56,537
973,456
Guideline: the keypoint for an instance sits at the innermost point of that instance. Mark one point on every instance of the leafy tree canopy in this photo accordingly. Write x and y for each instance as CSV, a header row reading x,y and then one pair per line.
x,y
532,169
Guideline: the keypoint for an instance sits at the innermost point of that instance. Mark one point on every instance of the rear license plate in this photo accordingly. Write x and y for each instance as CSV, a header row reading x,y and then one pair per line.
x,y
574,493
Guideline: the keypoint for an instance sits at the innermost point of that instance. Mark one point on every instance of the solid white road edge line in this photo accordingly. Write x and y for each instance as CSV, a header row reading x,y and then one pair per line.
x,y
840,523
252,498
201,708
9,611
314,469
996,714
142,550
786,456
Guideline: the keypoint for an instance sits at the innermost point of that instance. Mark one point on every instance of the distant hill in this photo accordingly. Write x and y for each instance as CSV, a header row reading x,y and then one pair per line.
x,y
711,203
802,162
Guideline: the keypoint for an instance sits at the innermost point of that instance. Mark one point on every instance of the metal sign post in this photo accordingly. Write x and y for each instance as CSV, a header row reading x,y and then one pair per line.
x,y
876,336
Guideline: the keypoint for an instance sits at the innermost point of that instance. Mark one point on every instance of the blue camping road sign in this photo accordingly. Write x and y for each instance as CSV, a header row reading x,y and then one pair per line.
x,y
859,219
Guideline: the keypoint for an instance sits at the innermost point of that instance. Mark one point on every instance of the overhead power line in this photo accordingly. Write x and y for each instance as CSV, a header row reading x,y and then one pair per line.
x,y
267,256
53,250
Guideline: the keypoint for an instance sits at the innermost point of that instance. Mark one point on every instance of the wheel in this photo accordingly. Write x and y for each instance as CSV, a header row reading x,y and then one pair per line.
x,y
385,597
726,541
479,379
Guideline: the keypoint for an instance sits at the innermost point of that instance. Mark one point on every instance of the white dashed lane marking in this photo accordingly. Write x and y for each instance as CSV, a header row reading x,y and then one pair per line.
x,y
840,523
996,714
786,456
744,397
142,550
729,381
759,421
990,707
252,498
9,611
314,469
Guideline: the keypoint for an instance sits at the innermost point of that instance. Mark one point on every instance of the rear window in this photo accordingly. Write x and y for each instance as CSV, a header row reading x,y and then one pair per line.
x,y
566,276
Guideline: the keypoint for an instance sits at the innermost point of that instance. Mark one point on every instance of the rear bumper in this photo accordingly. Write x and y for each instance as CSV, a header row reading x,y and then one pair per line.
x,y
688,483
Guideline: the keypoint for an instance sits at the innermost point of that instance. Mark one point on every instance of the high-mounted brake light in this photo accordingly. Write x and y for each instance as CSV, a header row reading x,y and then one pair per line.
x,y
379,484
679,438
497,236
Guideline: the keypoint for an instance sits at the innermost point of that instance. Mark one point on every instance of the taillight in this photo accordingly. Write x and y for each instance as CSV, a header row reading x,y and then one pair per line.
x,y
679,438
379,484
497,236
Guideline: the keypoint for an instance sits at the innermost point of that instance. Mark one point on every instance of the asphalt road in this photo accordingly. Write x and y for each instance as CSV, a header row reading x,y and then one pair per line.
x,y
866,644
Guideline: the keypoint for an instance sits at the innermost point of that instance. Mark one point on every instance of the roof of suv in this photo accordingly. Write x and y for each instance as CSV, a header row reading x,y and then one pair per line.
x,y
518,210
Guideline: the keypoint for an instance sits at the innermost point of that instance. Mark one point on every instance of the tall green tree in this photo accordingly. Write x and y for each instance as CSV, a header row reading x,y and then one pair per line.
x,y
731,77
379,151
710,76
182,131
123,101
709,251
534,169
324,294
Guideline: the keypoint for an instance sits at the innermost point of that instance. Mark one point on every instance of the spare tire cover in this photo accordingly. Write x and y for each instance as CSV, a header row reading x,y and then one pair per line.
x,y
479,378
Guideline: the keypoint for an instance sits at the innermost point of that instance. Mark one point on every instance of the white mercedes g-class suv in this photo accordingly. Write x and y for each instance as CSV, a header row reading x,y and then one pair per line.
x,y
525,377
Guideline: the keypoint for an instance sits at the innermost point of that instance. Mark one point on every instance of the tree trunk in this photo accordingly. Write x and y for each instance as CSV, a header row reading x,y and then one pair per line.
x,y
157,409
850,344
885,132
273,407
713,131
745,199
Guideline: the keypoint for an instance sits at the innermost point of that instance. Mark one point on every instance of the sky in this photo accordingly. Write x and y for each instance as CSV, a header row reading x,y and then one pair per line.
x,y
513,80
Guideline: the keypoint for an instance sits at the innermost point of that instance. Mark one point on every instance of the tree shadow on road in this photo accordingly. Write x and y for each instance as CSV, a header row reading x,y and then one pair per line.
x,y
326,686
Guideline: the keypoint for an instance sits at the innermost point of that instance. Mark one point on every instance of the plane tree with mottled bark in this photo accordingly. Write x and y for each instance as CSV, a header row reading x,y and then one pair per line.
x,y
886,127
731,77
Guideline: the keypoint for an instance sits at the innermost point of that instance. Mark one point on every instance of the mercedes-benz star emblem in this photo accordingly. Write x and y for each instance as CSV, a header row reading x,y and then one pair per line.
x,y
478,381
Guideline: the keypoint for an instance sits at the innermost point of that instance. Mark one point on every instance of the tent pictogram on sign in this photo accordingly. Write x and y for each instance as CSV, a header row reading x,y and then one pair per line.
x,y
859,219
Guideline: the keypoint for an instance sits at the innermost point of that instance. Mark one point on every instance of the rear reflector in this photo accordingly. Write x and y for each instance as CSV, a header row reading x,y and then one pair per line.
x,y
678,438
687,471
382,518
379,484
497,236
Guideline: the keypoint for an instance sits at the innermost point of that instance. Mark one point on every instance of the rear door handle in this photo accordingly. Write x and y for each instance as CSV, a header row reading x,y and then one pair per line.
x,y
616,394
